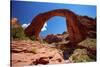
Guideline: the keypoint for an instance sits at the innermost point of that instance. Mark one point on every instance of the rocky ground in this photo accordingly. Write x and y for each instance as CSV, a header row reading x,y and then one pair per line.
x,y
62,42
27,52
55,49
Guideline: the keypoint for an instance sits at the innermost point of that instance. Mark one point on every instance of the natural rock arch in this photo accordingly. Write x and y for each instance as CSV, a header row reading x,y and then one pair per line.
x,y
76,34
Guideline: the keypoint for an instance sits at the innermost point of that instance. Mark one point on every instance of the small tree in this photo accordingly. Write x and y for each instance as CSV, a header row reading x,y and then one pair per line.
x,y
17,33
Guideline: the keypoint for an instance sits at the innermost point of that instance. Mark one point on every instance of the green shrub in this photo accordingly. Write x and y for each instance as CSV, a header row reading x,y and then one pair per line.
x,y
18,33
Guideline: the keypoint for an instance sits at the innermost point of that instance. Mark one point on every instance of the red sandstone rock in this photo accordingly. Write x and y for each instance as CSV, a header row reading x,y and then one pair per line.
x,y
53,38
33,53
89,24
75,32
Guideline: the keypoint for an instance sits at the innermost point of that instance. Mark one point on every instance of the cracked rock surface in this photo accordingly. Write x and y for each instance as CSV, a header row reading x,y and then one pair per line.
x,y
28,52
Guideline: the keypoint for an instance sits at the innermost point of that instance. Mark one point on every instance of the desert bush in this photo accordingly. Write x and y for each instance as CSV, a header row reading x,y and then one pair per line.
x,y
89,43
18,33
80,55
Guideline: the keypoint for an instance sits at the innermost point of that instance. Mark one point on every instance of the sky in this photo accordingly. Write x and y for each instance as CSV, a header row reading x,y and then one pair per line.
x,y
26,11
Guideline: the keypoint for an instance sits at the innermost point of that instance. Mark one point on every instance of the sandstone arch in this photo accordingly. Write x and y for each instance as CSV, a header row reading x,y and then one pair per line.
x,y
76,34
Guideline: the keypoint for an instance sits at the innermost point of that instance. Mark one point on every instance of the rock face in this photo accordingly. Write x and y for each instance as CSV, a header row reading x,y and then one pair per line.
x,y
89,24
57,38
53,38
33,53
76,32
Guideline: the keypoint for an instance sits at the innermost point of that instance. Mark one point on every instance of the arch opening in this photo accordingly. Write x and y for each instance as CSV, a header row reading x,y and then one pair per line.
x,y
55,25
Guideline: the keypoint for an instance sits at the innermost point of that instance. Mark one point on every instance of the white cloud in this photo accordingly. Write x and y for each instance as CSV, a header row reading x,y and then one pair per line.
x,y
25,25
44,27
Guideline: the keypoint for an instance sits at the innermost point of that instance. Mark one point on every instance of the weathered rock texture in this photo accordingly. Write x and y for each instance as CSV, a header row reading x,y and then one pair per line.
x,y
53,38
57,38
76,32
89,24
28,52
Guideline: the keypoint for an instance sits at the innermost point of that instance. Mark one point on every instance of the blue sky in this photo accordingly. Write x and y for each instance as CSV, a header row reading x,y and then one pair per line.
x,y
26,11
